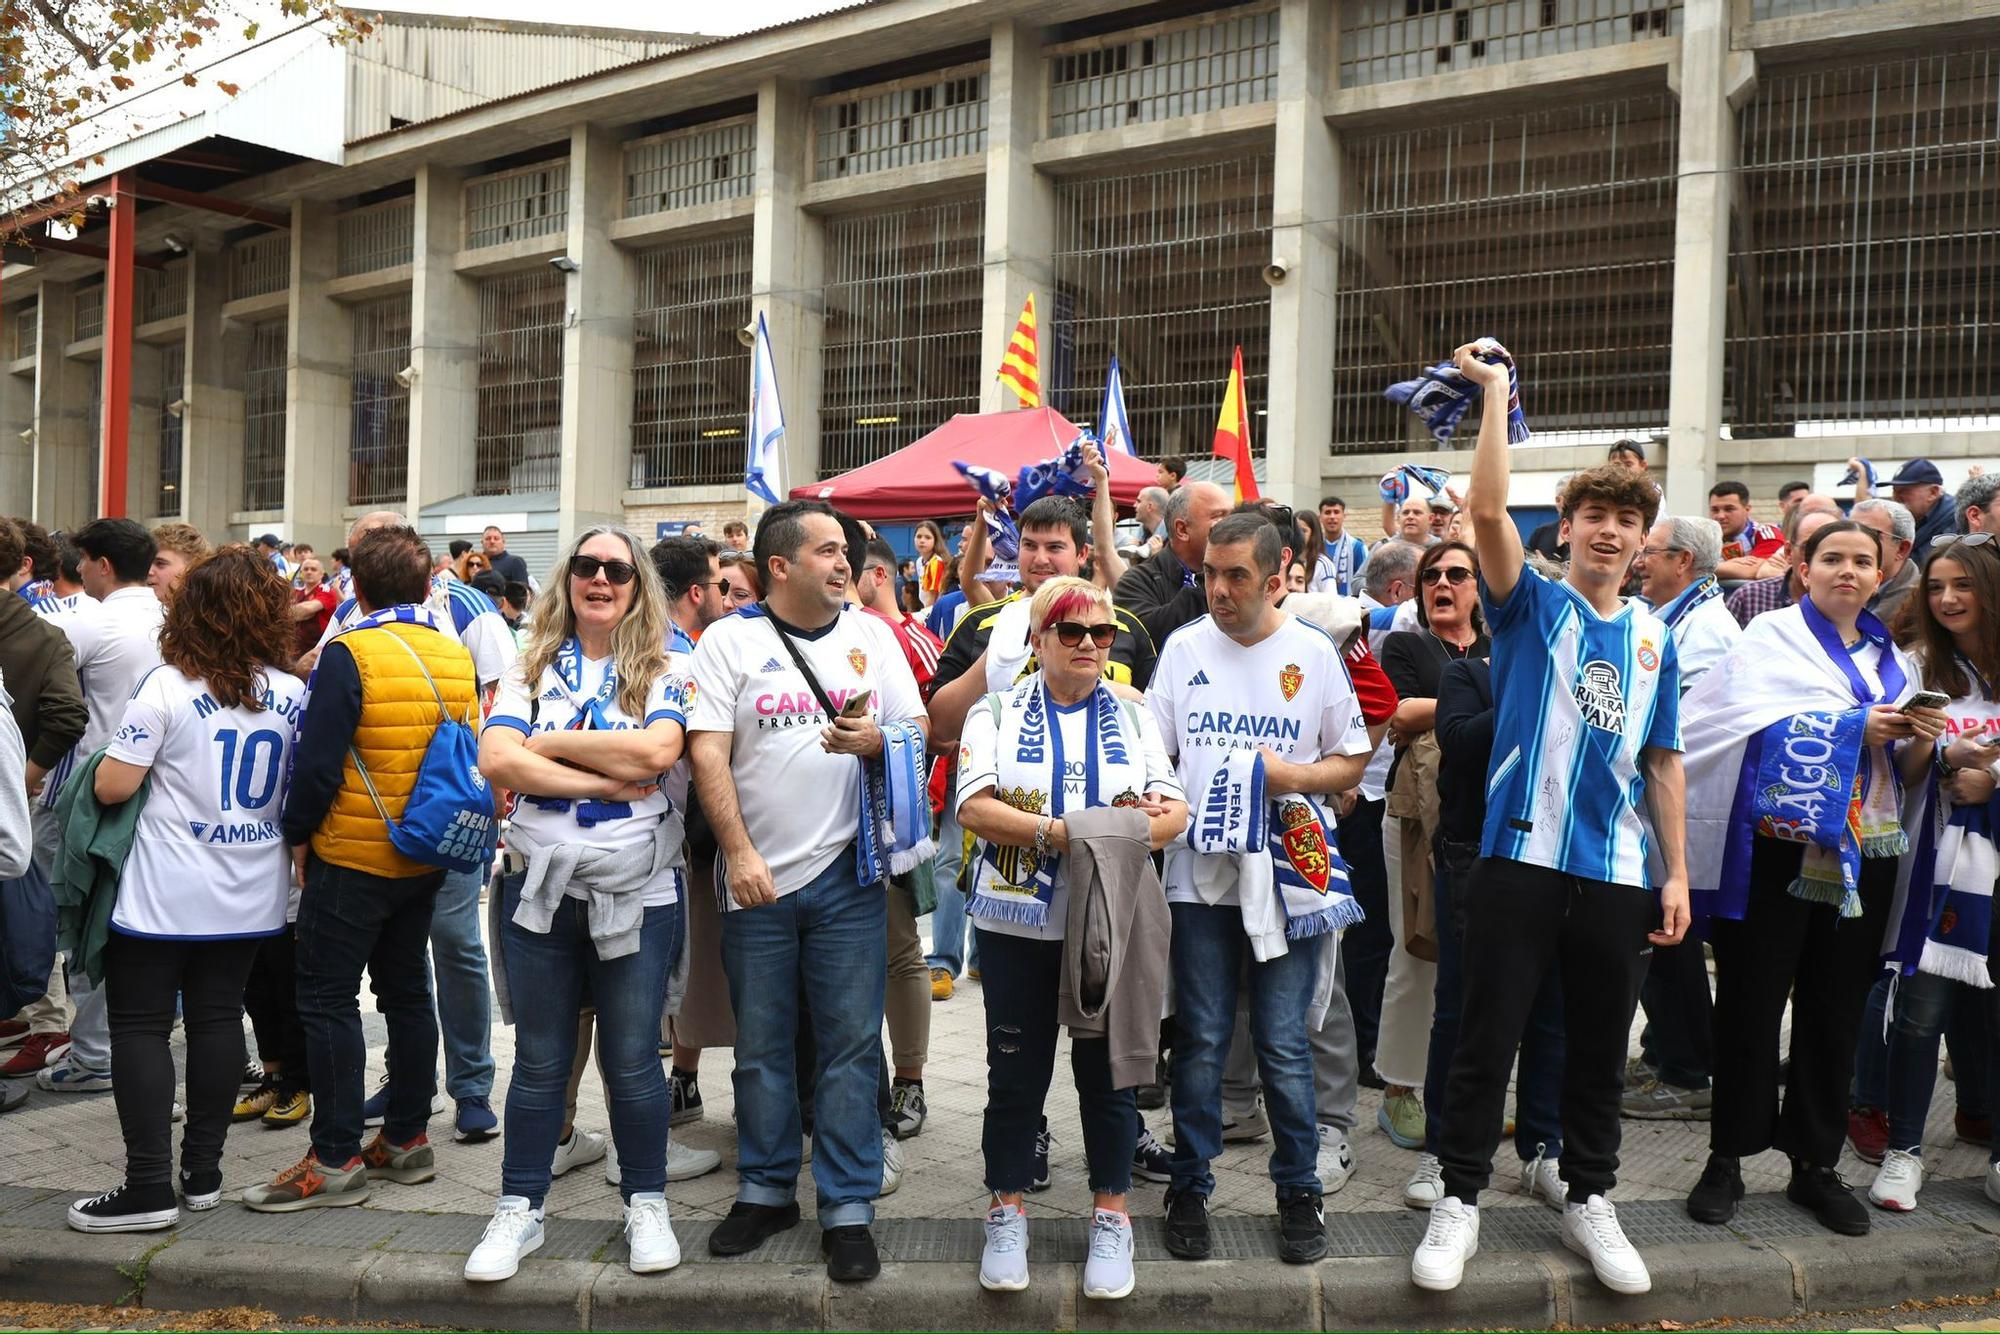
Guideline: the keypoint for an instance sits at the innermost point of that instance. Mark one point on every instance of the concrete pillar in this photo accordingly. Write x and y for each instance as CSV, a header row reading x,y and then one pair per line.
x,y
212,423
142,436
444,347
17,414
597,343
1305,201
319,347
1710,76
787,268
64,441
1020,210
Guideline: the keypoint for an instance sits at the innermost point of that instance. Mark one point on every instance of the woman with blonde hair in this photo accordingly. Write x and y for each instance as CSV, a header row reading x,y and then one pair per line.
x,y
587,731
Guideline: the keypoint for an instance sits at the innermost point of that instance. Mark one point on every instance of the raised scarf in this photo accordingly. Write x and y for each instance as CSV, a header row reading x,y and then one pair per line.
x,y
1440,395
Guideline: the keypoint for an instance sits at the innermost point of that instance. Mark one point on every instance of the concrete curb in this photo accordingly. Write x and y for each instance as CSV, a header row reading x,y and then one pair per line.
x,y
1735,1277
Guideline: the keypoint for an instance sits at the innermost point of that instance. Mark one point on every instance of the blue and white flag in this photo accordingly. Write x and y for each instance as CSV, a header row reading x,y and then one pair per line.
x,y
998,491
1063,475
1113,426
764,469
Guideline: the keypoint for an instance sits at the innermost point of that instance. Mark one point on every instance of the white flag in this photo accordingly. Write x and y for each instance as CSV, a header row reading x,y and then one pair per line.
x,y
764,469
1113,428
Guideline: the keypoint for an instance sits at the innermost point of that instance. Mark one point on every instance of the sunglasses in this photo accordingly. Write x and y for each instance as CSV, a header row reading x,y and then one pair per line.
x,y
1456,574
1070,633
731,553
1969,539
617,571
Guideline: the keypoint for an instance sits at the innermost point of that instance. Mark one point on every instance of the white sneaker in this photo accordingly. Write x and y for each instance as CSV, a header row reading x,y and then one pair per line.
x,y
649,1234
516,1230
1108,1274
1003,1265
1426,1185
1336,1160
684,1161
1993,1182
1542,1176
1591,1230
1898,1180
1451,1239
582,1146
892,1162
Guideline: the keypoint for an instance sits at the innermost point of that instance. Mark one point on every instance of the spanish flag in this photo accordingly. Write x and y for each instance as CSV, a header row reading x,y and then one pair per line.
x,y
1232,430
1019,370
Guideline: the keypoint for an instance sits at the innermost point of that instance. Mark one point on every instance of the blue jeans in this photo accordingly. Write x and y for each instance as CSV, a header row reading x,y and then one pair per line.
x,y
464,997
1871,1051
552,977
1208,958
829,940
948,919
1538,1083
1927,1008
349,920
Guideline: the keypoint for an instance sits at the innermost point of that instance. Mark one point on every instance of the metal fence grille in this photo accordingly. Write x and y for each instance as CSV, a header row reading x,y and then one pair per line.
x,y
173,393
95,378
923,119
25,326
260,265
380,236
1385,40
1552,231
901,352
378,438
1164,271
517,437
264,418
163,292
690,375
695,166
1177,69
1778,9
1862,269
87,313
515,205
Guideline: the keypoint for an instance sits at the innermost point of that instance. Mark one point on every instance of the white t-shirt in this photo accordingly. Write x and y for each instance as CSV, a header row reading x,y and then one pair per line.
x,y
979,767
116,641
801,805
1703,638
208,859
1008,647
1288,693
554,706
468,613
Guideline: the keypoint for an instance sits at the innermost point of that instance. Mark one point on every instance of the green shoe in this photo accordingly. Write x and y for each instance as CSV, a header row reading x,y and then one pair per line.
x,y
1402,1119
311,1184
409,1165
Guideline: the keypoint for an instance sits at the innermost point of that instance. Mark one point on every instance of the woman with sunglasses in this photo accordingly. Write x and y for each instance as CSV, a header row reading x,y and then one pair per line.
x,y
739,587
1953,629
1448,630
587,731
1050,744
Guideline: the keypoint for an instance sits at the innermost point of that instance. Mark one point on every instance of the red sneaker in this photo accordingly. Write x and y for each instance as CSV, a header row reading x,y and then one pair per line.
x,y
33,1054
1868,1132
1973,1129
12,1031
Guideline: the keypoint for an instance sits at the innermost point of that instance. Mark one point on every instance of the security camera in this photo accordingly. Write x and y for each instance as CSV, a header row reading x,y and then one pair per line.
x,y
564,264
747,335
177,407
406,376
28,436
1276,272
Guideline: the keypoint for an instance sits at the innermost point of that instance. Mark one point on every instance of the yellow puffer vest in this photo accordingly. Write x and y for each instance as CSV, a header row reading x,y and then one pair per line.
x,y
398,716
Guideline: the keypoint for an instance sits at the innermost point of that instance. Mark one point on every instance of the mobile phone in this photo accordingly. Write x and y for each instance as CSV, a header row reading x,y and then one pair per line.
x,y
1925,699
856,705
1985,740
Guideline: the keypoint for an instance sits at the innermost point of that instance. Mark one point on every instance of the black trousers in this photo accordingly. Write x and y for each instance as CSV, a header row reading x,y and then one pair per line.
x,y
1521,921
1365,947
1790,948
272,999
1680,1015
142,976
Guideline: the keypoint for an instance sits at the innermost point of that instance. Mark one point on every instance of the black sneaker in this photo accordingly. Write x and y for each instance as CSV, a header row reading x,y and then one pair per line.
x,y
750,1225
850,1253
1153,1096
907,1110
1044,1141
1187,1226
201,1190
1713,1199
1151,1160
1301,1229
686,1095
1821,1190
127,1209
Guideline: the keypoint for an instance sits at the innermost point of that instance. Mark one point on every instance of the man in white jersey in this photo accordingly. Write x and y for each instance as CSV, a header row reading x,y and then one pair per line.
x,y
117,641
790,697
1247,677
64,589
1587,726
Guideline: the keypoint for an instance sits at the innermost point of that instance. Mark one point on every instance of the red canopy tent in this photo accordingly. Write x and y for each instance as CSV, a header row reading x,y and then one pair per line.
x,y
918,481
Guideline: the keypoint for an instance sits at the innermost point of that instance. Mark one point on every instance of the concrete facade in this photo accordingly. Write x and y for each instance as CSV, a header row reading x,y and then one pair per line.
x,y
1710,54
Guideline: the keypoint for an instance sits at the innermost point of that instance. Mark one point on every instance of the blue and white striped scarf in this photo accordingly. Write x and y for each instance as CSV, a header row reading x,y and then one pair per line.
x,y
1063,475
895,836
1001,533
1440,395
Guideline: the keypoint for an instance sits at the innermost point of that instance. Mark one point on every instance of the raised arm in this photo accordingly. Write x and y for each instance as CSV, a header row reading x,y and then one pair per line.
x,y
1109,565
1498,543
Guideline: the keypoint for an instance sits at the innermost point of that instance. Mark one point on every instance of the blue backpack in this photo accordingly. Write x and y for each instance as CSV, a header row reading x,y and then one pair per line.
x,y
449,820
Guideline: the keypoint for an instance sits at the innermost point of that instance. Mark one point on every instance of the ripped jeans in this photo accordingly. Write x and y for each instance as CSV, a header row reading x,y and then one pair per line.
x,y
1020,978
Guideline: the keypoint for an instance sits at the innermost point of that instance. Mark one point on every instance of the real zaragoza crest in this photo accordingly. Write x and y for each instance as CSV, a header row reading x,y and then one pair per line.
x,y
1290,678
858,661
1305,841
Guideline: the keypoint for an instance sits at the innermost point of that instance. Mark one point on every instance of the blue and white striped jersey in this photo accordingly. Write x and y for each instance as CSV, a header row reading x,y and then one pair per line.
x,y
1577,697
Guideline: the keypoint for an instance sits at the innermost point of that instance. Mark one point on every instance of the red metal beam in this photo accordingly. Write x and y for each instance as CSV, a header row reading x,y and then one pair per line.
x,y
115,409
86,249
169,194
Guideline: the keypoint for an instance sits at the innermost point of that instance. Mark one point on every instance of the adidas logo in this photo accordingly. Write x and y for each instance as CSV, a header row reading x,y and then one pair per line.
x,y
552,693
772,665
1198,679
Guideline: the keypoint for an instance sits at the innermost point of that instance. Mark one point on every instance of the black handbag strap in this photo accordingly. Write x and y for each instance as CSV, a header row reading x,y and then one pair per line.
x,y
799,661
